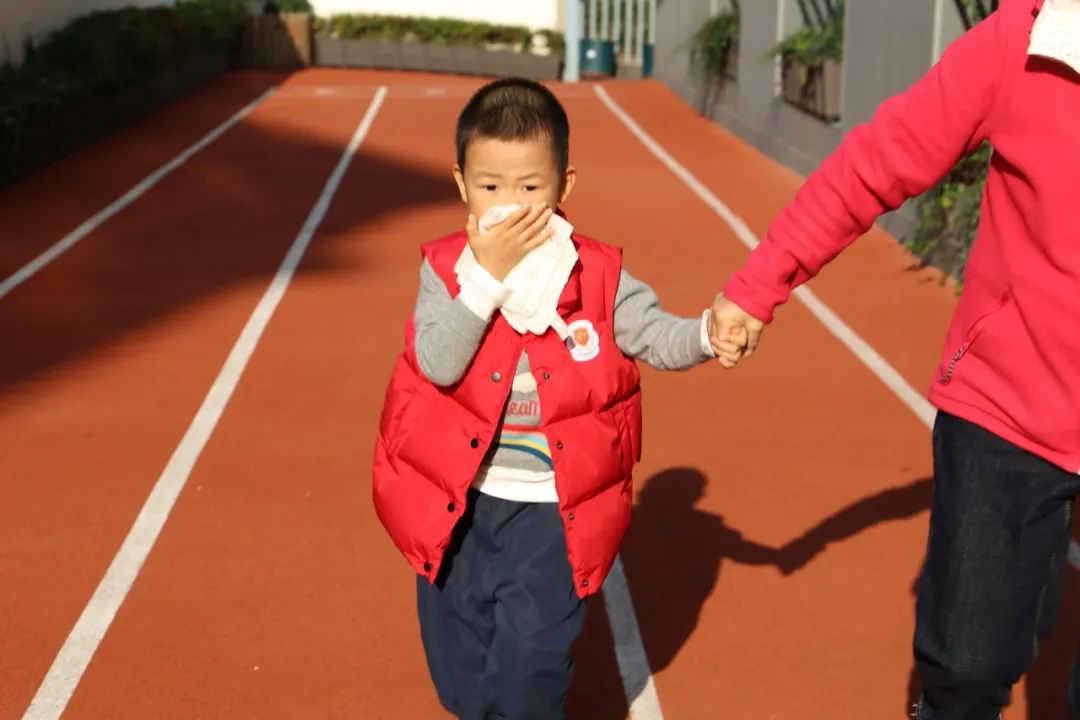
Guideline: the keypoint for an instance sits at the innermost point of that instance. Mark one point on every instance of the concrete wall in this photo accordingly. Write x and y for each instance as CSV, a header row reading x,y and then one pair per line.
x,y
30,19
23,19
887,46
537,14
678,20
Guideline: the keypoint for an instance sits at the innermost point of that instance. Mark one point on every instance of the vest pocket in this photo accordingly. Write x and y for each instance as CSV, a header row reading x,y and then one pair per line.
x,y
626,446
632,407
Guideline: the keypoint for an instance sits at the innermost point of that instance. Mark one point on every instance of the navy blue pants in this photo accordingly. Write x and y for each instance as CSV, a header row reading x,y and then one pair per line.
x,y
499,624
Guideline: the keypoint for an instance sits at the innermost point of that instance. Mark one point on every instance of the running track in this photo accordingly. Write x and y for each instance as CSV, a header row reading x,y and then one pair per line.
x,y
198,318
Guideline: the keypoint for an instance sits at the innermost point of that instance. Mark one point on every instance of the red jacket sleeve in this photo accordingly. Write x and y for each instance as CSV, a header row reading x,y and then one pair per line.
x,y
912,141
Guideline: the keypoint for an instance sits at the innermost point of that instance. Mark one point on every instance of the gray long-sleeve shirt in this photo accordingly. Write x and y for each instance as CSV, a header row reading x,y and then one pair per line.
x,y
449,333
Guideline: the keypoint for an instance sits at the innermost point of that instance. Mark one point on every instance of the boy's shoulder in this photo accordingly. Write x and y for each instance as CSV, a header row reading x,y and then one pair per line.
x,y
446,242
444,251
591,244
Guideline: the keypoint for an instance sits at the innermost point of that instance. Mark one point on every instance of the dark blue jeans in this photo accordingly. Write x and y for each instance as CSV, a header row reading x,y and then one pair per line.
x,y
499,624
995,564
1075,688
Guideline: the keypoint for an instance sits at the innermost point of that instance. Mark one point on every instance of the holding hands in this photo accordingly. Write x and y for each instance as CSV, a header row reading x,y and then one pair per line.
x,y
733,333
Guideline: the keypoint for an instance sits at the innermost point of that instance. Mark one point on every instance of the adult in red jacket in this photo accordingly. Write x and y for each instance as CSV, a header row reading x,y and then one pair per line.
x,y
1007,436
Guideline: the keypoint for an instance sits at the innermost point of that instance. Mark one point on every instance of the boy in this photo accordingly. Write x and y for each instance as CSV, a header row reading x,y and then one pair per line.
x,y
1007,437
513,418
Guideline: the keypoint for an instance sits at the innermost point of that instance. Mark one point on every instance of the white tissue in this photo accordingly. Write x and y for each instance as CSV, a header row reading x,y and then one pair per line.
x,y
535,283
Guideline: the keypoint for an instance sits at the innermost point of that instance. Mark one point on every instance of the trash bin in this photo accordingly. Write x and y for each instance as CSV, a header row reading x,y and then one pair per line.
x,y
597,57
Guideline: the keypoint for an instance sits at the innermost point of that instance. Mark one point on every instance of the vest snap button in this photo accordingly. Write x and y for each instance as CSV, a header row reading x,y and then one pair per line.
x,y
451,507
585,582
547,376
559,445
427,567
571,517
474,443
496,377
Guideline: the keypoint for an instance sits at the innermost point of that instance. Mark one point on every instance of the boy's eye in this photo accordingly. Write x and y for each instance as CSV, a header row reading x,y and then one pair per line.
x,y
489,188
530,188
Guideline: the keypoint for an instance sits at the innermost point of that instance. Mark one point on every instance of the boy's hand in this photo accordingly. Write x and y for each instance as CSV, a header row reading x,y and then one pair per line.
x,y
505,244
733,332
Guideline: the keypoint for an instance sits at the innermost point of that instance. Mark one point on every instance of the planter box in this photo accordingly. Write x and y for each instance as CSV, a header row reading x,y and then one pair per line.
x,y
448,58
65,129
815,89
455,59
368,53
278,41
526,65
413,56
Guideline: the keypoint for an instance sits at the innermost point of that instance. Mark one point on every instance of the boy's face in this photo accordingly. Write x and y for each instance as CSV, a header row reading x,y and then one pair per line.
x,y
514,172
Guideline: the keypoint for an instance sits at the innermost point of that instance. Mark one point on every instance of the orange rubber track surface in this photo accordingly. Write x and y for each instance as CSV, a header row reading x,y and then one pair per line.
x,y
781,511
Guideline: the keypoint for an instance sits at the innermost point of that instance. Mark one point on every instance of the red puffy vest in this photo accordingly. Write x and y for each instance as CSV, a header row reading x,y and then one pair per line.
x,y
433,440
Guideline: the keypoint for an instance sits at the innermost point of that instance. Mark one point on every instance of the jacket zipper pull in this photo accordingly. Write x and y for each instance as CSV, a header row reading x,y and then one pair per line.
x,y
948,376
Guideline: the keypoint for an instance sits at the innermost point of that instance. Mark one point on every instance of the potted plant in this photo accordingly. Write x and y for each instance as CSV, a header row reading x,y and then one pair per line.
x,y
812,70
715,51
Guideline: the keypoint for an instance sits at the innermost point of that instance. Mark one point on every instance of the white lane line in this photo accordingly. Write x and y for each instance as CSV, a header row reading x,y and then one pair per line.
x,y
634,668
79,648
76,235
878,365
414,92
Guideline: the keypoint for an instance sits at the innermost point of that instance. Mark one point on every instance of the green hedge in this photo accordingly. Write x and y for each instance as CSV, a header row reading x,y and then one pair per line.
x,y
949,216
287,6
105,51
441,31
949,213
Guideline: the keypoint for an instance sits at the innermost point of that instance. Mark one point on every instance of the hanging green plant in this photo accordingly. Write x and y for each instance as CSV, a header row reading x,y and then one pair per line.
x,y
714,43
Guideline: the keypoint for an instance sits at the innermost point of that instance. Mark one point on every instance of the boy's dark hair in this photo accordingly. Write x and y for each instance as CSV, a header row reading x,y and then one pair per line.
x,y
515,109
